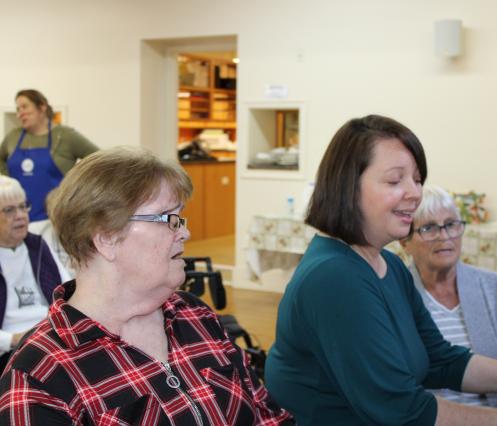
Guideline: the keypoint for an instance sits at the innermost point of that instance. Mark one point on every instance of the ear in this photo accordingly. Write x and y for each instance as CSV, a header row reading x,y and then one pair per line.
x,y
105,244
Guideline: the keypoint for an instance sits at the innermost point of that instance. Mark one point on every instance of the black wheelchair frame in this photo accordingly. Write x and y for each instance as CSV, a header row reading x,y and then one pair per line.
x,y
195,283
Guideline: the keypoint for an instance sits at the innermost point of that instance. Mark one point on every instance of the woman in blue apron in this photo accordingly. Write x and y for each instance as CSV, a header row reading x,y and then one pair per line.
x,y
37,154
35,170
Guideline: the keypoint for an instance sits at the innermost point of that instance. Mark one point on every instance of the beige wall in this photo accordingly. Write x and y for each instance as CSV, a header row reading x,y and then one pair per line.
x,y
339,58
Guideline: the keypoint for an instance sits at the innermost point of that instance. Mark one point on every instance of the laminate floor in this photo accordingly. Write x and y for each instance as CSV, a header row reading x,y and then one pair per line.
x,y
255,310
221,249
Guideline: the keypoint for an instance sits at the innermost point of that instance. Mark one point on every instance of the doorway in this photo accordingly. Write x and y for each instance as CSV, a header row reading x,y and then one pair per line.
x,y
188,94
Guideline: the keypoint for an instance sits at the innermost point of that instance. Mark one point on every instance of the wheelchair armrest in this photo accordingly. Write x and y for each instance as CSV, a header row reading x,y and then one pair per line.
x,y
191,262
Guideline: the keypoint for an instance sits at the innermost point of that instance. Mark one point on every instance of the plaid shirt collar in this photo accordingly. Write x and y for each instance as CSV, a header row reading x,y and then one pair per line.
x,y
75,329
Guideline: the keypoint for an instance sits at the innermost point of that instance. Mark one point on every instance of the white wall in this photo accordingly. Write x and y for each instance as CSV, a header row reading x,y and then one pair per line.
x,y
359,57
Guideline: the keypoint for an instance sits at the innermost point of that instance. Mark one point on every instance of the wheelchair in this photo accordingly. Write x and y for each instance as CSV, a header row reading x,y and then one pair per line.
x,y
199,271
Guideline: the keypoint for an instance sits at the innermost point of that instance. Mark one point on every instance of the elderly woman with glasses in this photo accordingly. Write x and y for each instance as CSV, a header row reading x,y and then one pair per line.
x,y
121,345
462,299
29,271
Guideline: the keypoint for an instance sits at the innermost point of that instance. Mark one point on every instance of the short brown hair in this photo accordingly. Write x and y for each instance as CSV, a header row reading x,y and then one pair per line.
x,y
103,190
334,207
38,99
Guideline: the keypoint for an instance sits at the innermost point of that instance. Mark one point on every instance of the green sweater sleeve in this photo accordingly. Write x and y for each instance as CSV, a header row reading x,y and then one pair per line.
x,y
356,340
447,362
3,158
69,146
7,148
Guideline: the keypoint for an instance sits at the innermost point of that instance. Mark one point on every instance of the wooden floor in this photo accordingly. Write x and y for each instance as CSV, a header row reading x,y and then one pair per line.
x,y
255,310
221,250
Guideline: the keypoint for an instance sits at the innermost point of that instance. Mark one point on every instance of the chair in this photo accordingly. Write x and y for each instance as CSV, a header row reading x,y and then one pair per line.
x,y
195,284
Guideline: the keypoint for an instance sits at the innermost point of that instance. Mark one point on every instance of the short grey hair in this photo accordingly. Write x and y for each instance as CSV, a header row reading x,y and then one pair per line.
x,y
10,190
435,199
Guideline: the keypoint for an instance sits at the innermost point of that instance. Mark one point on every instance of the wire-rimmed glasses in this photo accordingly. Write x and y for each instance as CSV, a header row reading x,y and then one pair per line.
x,y
174,221
10,211
432,231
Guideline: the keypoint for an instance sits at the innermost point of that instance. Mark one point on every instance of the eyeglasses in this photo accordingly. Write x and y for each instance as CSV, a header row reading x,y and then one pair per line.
x,y
431,232
10,211
173,220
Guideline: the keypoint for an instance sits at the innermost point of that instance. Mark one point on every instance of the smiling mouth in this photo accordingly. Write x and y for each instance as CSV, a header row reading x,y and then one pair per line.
x,y
405,214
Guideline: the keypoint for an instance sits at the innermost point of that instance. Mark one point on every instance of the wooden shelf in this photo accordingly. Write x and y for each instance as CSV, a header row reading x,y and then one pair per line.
x,y
206,89
209,107
227,91
194,89
207,124
196,109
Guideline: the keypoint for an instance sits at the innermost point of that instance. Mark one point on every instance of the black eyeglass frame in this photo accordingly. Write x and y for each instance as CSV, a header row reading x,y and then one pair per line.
x,y
161,218
11,210
422,229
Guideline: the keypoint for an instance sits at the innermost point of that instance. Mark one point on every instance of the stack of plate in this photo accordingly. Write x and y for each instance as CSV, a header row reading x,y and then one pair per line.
x,y
288,159
264,158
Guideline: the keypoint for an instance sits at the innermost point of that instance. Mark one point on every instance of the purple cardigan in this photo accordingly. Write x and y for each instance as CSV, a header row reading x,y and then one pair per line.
x,y
44,267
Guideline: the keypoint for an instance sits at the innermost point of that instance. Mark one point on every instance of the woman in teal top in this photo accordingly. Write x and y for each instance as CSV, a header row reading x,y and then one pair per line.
x,y
354,343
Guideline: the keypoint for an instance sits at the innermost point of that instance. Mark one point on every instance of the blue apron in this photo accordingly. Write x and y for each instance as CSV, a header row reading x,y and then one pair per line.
x,y
37,173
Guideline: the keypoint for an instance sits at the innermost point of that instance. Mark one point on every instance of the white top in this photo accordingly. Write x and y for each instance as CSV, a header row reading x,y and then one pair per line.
x,y
26,304
452,325
45,229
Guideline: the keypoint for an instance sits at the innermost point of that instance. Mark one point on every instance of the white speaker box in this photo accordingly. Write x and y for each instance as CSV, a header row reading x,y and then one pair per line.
x,y
448,37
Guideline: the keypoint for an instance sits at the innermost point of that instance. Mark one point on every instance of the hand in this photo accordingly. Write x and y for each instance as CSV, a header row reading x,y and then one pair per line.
x,y
16,338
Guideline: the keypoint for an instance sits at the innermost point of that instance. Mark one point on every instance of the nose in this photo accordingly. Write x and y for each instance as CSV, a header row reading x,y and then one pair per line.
x,y
444,235
20,213
183,233
414,190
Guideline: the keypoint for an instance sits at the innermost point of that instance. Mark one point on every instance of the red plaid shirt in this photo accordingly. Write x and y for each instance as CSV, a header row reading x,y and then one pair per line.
x,y
71,370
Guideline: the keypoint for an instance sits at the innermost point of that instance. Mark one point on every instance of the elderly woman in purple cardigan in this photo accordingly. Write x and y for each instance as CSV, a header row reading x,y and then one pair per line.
x,y
29,271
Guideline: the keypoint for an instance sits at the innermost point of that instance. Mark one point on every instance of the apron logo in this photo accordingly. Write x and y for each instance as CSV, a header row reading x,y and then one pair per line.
x,y
27,166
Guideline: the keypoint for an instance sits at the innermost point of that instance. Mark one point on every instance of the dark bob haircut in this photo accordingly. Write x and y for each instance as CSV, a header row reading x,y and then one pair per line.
x,y
334,206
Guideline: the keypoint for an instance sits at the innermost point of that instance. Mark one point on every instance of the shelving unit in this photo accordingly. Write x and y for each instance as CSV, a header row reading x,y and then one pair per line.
x,y
207,96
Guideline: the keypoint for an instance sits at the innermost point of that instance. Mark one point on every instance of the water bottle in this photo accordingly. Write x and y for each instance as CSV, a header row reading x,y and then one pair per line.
x,y
290,206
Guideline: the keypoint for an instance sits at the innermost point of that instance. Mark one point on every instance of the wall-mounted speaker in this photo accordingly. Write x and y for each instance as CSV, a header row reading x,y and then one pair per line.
x,y
448,34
